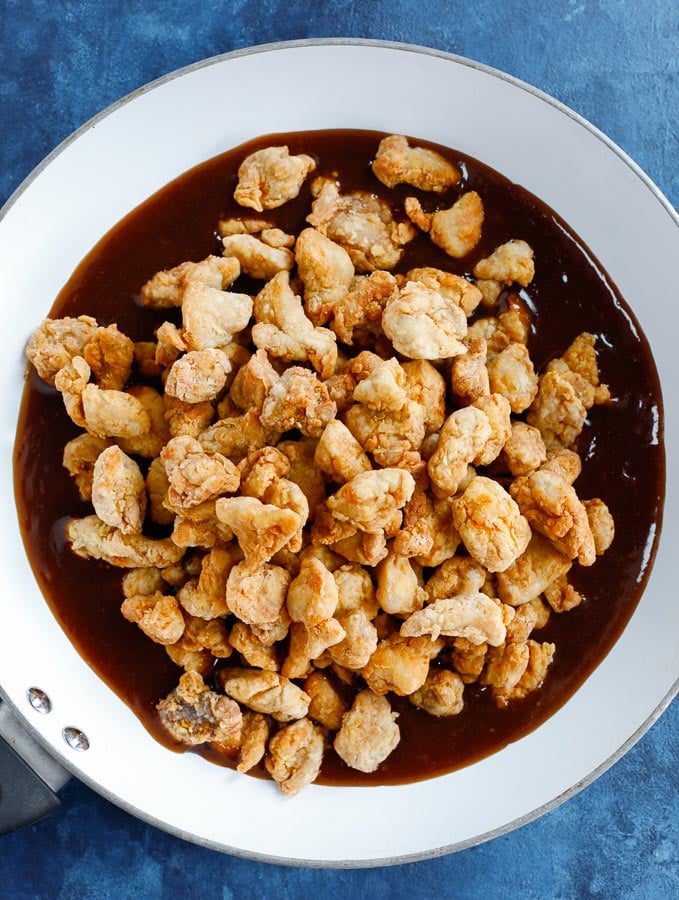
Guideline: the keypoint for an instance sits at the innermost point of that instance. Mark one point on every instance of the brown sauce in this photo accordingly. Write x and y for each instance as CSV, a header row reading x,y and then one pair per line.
x,y
621,445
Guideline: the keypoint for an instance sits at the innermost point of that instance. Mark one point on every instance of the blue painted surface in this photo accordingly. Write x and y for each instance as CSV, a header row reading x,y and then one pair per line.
x,y
614,61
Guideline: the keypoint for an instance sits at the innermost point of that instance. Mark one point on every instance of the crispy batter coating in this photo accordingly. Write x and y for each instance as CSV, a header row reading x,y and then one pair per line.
x,y
524,450
505,666
57,341
468,374
441,693
355,590
119,491
339,454
383,387
256,596
446,540
151,442
453,287
423,324
145,580
158,616
253,382
392,438
265,692
557,410
298,400
270,177
93,539
468,659
284,331
498,410
252,650
457,575
359,222
539,660
313,594
463,437
308,641
398,589
198,375
327,706
511,374
561,596
473,616
359,641
400,664
206,597
601,523
195,476
537,567
372,500
361,547
458,230
109,354
304,472
358,314
261,528
295,755
211,317
166,288
211,635
508,263
396,162
326,271
552,507
490,524
369,732
564,463
254,738
237,436
193,714
255,257
80,455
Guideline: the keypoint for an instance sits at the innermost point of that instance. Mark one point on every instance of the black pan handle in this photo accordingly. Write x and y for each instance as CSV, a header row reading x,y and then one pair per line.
x,y
24,796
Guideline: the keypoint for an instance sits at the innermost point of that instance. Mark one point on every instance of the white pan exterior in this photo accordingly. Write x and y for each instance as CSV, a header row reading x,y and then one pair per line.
x,y
114,163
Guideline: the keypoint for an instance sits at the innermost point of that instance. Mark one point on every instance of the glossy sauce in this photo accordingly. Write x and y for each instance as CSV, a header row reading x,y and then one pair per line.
x,y
621,445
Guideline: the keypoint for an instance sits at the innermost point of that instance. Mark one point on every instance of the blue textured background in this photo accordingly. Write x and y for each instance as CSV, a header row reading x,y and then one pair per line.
x,y
614,61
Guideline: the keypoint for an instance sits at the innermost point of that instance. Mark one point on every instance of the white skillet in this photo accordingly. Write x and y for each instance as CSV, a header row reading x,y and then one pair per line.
x,y
117,160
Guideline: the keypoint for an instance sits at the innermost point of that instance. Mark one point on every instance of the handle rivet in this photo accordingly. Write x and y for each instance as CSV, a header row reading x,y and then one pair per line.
x,y
39,700
76,739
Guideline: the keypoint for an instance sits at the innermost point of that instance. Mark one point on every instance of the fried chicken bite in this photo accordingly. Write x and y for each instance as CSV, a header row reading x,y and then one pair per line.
x,y
295,755
398,589
396,162
422,324
372,500
270,177
358,313
166,289
534,570
368,734
256,258
193,714
254,738
195,476
491,525
462,439
508,264
119,491
198,376
283,330
158,616
524,450
265,692
456,230
298,400
93,539
80,455
470,615
326,271
359,222
261,528
441,694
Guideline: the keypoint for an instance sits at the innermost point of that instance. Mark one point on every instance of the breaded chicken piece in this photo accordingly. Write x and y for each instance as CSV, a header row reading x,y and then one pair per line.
x,y
524,450
441,694
359,222
368,734
254,738
256,596
93,539
158,616
398,589
469,374
295,755
211,317
252,650
109,354
80,455
298,400
261,528
193,714
119,491
253,382
396,162
57,341
372,500
327,706
511,374
326,271
508,264
359,641
255,257
490,523
283,330
265,692
195,476
456,230
473,616
313,595
166,288
358,314
453,287
339,454
198,376
462,438
399,664
422,324
270,177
